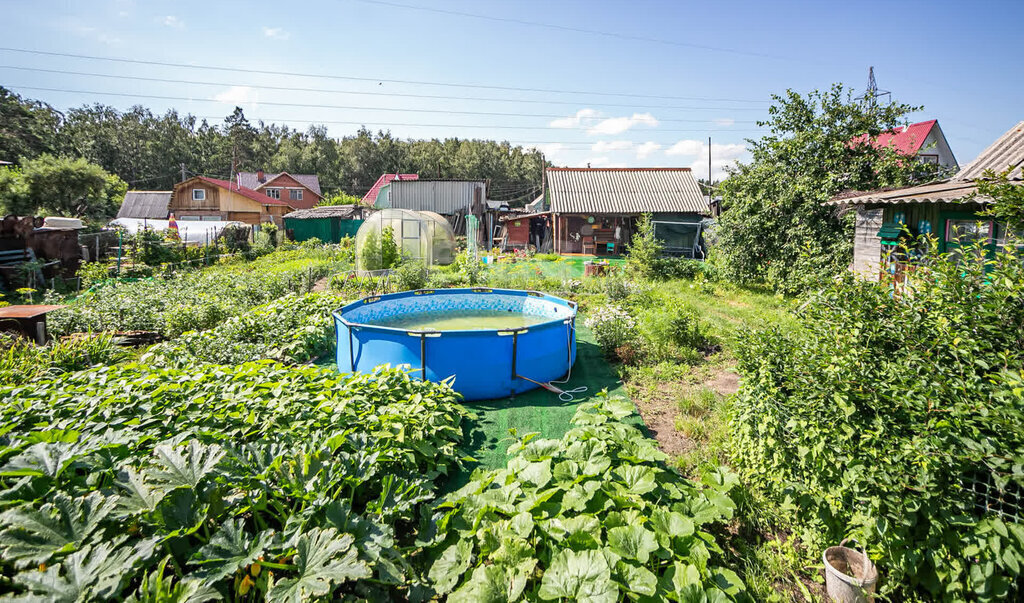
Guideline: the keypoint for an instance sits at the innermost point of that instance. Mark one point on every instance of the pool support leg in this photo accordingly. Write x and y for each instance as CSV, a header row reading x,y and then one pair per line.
x,y
351,352
423,357
515,349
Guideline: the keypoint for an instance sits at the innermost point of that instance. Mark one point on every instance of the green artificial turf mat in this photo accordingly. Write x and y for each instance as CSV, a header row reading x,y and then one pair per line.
x,y
540,411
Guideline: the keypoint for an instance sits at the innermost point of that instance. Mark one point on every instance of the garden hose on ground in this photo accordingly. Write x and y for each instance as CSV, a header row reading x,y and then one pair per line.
x,y
565,395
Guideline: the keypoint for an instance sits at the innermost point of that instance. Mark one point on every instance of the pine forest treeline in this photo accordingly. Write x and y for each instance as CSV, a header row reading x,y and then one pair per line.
x,y
147,150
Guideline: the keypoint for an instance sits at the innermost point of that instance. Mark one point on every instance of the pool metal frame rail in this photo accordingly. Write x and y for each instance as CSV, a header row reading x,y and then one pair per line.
x,y
424,334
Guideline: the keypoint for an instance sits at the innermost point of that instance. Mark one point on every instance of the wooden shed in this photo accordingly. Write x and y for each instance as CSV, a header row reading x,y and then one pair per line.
x,y
594,210
950,210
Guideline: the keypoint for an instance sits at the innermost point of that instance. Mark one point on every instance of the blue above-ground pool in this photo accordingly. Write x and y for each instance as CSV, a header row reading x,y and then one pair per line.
x,y
484,363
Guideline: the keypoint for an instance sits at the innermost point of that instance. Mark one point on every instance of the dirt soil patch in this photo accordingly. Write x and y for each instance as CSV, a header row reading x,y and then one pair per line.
x,y
659,408
659,404
321,285
725,381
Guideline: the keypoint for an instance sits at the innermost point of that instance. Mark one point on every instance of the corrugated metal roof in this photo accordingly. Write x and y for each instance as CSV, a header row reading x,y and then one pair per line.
x,y
331,211
1006,152
946,191
151,205
441,196
625,191
251,180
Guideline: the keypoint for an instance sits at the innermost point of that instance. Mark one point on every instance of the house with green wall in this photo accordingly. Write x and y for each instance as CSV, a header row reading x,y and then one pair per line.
x,y
949,210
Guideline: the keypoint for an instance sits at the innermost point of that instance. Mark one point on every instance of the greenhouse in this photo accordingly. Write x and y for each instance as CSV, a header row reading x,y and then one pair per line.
x,y
416,235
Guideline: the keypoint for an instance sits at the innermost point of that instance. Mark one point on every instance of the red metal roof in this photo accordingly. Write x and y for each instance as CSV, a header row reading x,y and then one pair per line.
x,y
371,196
906,140
256,196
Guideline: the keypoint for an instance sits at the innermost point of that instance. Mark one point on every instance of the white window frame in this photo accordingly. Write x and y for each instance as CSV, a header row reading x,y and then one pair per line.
x,y
201,196
274,193
295,194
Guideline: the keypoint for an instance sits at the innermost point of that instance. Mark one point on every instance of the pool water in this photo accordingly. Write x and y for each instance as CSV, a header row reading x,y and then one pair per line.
x,y
460,320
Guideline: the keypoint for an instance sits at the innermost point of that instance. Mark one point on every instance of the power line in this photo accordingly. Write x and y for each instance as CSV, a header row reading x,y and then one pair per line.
x,y
266,120
374,79
610,34
345,107
368,93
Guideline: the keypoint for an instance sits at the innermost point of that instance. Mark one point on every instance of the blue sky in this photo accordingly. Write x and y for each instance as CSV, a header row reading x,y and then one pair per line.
x,y
605,83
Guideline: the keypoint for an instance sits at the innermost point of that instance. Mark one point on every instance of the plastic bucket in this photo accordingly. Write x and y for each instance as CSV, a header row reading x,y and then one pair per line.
x,y
850,576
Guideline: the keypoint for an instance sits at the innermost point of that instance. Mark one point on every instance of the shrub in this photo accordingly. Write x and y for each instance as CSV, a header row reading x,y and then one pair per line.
x,y
676,268
469,267
410,276
93,272
310,243
644,249
897,418
612,327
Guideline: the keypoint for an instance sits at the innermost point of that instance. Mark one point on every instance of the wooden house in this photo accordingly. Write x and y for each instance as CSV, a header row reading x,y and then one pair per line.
x,y
593,211
202,198
924,141
947,209
301,191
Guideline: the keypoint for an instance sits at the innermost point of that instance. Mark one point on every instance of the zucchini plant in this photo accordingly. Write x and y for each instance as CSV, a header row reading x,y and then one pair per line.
x,y
594,516
251,481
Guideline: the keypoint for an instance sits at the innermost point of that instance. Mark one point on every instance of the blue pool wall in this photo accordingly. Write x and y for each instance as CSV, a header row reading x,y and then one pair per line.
x,y
480,360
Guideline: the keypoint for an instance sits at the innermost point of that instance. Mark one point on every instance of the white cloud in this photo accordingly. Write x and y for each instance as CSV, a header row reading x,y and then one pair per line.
x,y
276,33
724,121
238,95
647,149
172,21
604,146
685,148
596,123
575,121
618,125
551,149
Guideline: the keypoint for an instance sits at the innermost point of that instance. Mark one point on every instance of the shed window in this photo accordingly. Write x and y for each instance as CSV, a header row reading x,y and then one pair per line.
x,y
929,158
968,231
1005,237
295,194
199,194
274,193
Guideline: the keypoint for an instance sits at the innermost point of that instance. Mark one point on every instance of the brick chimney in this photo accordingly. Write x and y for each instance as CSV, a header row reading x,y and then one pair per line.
x,y
260,176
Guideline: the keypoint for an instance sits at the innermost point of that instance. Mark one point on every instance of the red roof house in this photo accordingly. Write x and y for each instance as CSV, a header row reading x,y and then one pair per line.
x,y
203,198
371,196
923,140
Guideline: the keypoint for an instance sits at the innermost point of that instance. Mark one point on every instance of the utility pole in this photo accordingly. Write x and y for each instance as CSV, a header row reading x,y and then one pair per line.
x,y
183,178
543,179
709,170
